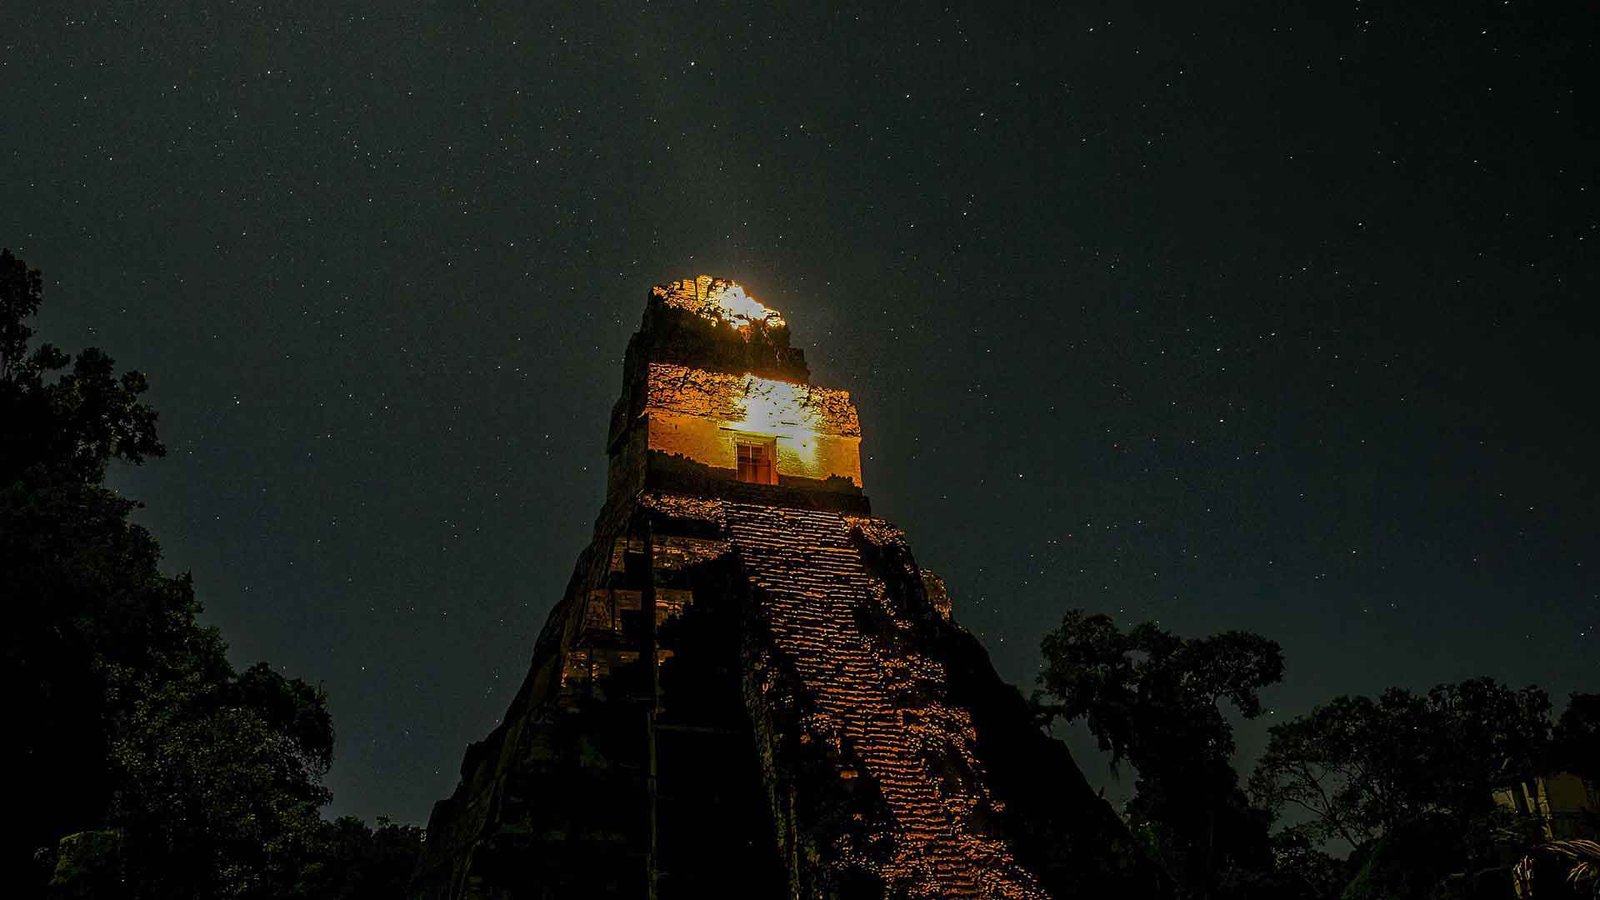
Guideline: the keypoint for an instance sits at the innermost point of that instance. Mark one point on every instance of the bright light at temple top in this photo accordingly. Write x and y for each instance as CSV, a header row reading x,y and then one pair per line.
x,y
740,308
782,410
719,300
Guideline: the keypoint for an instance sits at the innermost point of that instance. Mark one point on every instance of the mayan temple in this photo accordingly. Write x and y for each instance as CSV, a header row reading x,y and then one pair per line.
x,y
749,687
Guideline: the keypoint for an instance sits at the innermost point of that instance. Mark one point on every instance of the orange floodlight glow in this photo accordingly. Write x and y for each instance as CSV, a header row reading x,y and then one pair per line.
x,y
739,309
703,415
782,410
719,300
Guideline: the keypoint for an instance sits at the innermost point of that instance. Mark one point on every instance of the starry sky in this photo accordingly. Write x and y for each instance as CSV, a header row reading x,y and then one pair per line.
x,y
1262,315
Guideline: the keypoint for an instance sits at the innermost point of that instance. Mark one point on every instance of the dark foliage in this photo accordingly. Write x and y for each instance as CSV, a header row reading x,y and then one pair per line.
x,y
1575,746
1359,768
1408,782
145,765
1154,700
62,424
348,860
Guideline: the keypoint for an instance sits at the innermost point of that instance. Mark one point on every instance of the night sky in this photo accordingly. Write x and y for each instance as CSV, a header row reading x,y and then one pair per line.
x,y
1273,316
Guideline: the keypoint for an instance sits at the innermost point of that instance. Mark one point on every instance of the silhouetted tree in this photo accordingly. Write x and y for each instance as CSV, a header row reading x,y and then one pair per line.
x,y
62,425
350,861
145,766
1408,781
219,783
1575,746
1154,700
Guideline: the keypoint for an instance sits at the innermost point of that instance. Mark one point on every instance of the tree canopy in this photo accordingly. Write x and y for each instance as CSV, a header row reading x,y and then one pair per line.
x,y
1575,745
1154,700
1359,767
1407,781
1402,784
147,765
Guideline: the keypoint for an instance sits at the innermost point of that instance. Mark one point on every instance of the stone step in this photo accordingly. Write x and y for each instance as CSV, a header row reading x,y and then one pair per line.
x,y
812,581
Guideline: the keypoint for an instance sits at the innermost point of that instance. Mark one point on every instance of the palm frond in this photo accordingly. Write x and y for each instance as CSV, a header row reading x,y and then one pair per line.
x,y
1581,858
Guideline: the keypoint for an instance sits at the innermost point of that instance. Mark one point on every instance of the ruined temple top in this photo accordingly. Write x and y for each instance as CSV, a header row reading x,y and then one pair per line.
x,y
715,403
719,300
713,324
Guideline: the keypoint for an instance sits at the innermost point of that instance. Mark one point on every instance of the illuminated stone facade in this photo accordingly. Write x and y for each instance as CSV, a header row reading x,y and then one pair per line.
x,y
814,724
701,417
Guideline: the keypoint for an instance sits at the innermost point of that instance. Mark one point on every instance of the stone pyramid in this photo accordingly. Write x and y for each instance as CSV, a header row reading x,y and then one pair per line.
x,y
815,723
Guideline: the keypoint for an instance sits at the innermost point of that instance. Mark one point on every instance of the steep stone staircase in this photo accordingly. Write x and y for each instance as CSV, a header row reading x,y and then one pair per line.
x,y
882,701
